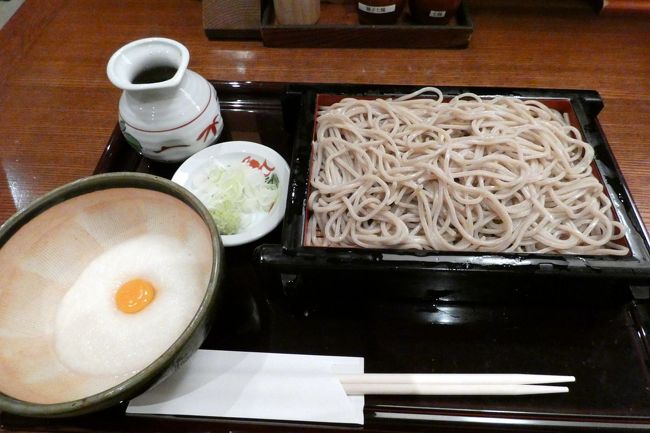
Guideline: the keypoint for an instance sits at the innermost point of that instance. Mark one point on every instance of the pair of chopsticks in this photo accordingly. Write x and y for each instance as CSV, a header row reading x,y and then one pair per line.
x,y
453,384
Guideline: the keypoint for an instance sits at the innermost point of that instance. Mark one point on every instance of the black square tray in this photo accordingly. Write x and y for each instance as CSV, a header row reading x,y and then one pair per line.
x,y
412,273
597,335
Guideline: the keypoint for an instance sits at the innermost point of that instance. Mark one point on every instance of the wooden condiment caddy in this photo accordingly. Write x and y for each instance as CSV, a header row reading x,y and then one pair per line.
x,y
337,27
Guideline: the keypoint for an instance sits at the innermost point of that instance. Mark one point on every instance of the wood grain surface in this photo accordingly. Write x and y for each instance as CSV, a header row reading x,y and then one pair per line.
x,y
57,108
625,7
228,19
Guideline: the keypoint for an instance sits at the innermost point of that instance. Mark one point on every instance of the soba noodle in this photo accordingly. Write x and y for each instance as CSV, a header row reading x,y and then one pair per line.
x,y
470,174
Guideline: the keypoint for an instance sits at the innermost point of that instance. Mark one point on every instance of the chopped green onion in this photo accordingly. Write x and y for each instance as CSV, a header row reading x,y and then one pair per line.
x,y
234,193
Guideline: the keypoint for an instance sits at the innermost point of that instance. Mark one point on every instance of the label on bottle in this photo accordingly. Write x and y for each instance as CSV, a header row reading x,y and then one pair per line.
x,y
377,9
437,14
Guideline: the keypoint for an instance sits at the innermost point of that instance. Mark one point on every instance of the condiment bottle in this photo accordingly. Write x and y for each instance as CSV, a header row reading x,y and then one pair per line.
x,y
297,12
433,11
379,11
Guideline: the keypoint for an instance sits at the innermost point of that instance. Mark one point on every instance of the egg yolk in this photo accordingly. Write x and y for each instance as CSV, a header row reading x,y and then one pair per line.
x,y
134,295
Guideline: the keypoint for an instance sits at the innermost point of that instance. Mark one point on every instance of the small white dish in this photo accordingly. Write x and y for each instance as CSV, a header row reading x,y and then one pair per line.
x,y
235,152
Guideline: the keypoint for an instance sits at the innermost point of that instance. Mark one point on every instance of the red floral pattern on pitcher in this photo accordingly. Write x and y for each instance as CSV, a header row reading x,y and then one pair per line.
x,y
211,129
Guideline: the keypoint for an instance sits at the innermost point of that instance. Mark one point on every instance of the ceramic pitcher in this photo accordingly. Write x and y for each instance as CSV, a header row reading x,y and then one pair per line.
x,y
166,112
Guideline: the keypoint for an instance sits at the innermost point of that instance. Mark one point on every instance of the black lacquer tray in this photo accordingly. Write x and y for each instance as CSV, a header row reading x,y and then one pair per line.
x,y
582,108
593,328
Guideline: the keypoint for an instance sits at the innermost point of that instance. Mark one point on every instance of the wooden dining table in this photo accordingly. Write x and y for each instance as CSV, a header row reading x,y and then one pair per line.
x,y
58,109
